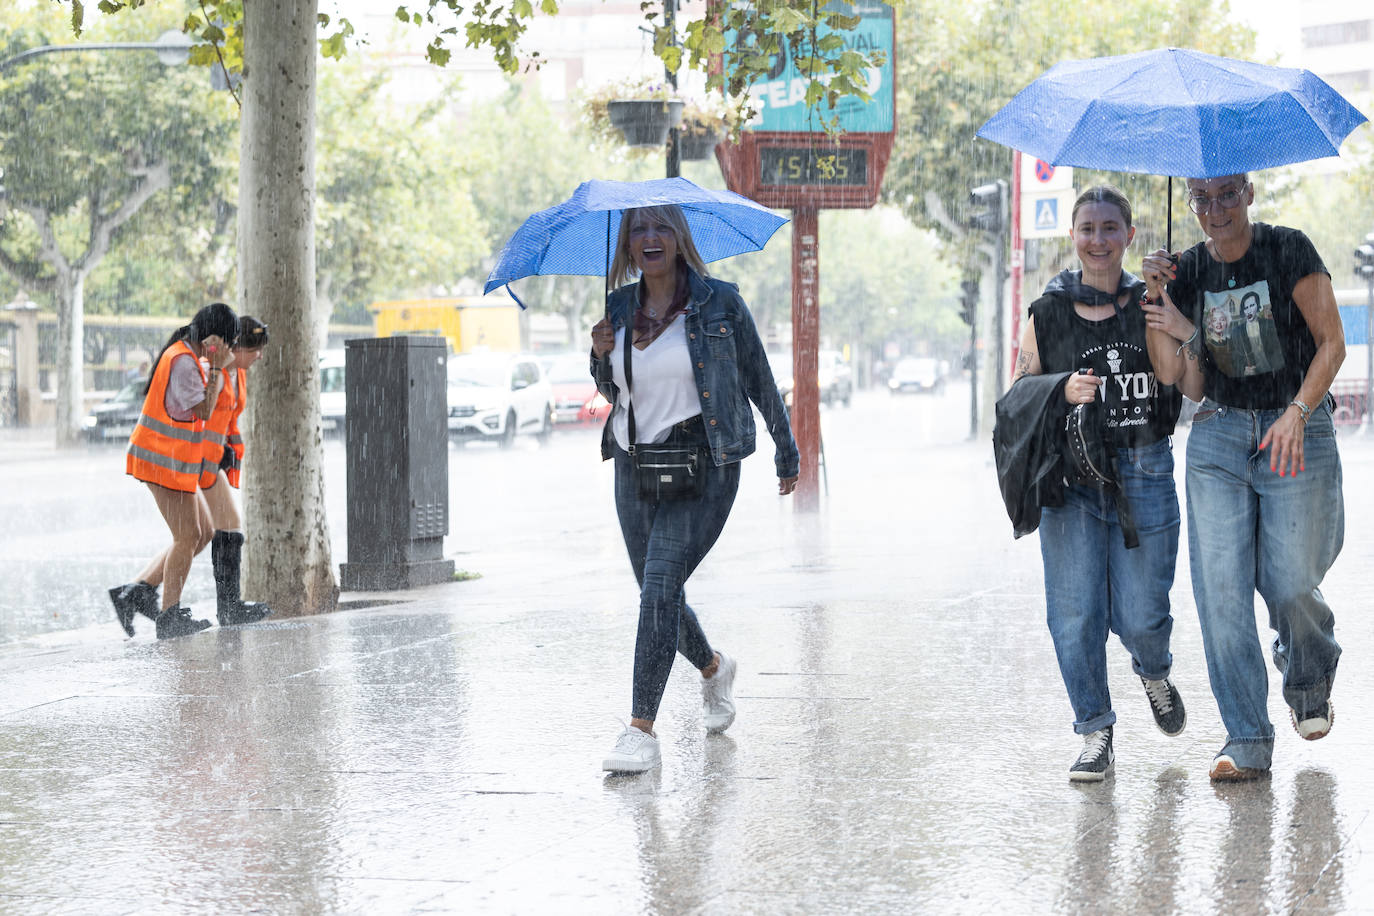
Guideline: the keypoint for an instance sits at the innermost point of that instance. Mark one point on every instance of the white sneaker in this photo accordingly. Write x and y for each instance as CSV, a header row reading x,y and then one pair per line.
x,y
635,751
718,696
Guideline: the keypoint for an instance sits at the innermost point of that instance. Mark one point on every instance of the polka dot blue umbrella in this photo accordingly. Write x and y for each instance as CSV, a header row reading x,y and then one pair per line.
x,y
576,237
1174,112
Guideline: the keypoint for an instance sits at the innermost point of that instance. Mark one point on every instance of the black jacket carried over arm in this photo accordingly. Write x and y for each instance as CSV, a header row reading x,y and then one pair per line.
x,y
1027,448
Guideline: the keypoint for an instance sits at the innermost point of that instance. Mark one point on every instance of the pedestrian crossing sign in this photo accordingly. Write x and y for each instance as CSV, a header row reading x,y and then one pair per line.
x,y
1046,214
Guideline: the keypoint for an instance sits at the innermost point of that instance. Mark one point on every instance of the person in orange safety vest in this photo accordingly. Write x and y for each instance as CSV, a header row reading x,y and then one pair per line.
x,y
166,452
223,459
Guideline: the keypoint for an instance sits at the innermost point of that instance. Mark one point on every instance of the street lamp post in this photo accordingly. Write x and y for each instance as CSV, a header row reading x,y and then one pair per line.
x,y
173,49
674,161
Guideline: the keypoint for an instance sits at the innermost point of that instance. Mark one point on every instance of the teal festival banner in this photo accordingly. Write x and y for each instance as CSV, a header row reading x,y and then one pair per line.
x,y
780,97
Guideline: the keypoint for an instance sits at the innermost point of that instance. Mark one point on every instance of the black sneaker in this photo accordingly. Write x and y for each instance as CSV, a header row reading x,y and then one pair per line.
x,y
125,607
1097,758
1166,705
131,599
1316,723
177,621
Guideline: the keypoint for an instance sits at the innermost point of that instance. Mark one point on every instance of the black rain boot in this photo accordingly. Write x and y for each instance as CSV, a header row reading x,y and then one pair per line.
x,y
226,556
177,621
134,598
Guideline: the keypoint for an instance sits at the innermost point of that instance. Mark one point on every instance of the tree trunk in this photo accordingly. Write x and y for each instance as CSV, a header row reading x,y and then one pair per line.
x,y
70,296
288,557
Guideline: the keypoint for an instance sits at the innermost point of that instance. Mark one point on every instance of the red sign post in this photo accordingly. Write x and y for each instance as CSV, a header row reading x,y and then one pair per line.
x,y
805,172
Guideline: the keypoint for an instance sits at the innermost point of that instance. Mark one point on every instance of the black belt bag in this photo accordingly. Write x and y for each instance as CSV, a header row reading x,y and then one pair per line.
x,y
661,471
667,471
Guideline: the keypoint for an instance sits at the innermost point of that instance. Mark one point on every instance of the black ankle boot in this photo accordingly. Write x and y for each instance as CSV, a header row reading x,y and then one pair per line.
x,y
226,556
177,621
134,598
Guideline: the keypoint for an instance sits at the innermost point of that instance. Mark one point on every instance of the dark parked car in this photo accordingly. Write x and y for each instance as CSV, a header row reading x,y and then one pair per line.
x,y
113,420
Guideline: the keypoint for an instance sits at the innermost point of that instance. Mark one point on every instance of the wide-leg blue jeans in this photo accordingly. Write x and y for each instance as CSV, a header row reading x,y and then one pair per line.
x,y
666,541
1251,530
1094,585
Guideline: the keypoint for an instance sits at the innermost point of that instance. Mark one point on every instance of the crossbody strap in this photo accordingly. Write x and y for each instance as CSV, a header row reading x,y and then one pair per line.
x,y
629,379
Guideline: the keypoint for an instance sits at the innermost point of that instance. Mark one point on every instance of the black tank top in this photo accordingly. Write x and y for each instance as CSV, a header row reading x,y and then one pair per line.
x,y
1139,410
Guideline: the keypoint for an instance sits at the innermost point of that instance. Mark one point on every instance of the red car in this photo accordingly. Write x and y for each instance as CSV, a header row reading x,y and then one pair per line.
x,y
575,398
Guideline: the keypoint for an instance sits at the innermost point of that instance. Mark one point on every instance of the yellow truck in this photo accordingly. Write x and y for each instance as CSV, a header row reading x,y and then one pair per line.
x,y
469,323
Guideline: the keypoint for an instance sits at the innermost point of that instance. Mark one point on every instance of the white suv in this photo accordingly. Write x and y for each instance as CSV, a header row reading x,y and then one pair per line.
x,y
332,397
493,396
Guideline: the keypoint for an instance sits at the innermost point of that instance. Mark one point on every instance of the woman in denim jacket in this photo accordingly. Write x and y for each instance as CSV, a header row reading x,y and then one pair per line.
x,y
697,364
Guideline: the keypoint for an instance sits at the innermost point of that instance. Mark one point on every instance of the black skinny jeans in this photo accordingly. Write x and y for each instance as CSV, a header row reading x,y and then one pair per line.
x,y
666,541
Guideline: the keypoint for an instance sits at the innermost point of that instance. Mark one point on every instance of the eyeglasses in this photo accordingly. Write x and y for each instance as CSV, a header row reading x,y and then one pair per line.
x,y
1229,200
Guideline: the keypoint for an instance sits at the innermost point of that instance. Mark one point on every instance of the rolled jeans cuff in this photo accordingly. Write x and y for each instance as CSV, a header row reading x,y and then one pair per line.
x,y
1251,753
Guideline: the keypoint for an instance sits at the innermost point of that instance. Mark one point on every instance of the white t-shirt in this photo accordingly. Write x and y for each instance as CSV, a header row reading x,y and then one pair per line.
x,y
665,388
185,388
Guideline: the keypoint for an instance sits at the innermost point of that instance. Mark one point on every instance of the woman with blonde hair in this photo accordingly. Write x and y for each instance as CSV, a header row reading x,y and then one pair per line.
x,y
679,358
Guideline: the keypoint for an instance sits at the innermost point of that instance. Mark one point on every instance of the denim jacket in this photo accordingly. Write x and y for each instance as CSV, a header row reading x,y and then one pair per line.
x,y
730,369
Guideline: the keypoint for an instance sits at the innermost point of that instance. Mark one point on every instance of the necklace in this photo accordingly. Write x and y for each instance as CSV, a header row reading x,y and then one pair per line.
x,y
1228,271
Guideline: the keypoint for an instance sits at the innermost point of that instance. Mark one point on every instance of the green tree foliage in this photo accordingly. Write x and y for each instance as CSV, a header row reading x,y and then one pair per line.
x,y
76,142
83,155
395,214
882,281
523,156
761,27
972,58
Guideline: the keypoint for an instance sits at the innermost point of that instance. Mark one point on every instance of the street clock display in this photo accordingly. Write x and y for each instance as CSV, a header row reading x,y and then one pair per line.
x,y
785,158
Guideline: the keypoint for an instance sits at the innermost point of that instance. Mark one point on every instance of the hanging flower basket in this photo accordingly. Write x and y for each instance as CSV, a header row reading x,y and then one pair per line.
x,y
644,122
697,144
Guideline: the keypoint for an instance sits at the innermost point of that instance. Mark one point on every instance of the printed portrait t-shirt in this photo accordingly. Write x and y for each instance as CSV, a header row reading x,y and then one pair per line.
x,y
1256,346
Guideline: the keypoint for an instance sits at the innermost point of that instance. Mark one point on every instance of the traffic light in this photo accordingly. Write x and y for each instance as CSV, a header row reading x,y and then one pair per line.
x,y
988,206
1364,258
968,301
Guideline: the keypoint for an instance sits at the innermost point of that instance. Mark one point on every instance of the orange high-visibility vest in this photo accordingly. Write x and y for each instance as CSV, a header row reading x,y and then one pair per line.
x,y
162,450
222,429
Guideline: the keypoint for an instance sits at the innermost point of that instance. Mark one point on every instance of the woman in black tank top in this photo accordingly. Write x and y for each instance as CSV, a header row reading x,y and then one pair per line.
x,y
1088,323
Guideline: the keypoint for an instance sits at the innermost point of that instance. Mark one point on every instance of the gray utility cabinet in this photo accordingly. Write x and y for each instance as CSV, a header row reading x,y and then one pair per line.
x,y
396,431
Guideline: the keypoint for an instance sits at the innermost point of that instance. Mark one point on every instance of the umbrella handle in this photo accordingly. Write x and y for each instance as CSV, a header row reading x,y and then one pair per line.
x,y
607,303
1169,226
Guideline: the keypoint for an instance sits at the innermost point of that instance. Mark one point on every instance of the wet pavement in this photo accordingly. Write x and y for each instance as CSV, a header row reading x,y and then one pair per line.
x,y
902,743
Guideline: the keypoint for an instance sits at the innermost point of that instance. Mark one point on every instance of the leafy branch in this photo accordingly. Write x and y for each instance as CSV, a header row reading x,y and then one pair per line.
x,y
761,31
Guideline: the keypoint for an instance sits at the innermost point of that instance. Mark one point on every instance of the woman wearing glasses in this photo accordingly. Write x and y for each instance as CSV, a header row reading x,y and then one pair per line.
x,y
1265,508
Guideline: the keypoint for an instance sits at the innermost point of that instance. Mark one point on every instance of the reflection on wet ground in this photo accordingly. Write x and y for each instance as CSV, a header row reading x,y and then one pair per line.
x,y
902,744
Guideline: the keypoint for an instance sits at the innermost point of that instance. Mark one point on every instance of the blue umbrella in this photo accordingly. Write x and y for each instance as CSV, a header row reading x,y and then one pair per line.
x,y
575,237
1174,112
